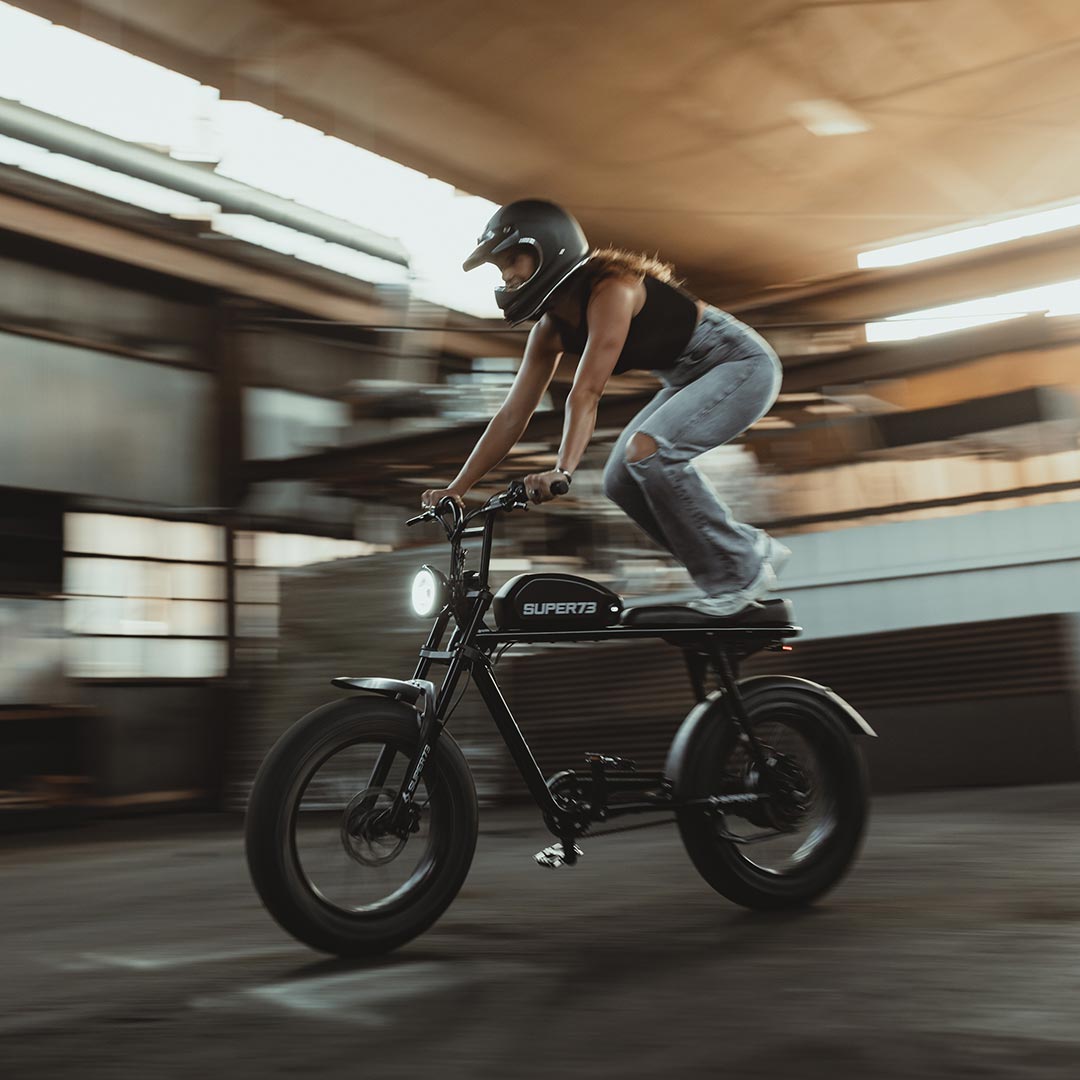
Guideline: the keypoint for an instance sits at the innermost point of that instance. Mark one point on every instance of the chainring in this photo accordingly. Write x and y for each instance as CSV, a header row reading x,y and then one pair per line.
x,y
570,793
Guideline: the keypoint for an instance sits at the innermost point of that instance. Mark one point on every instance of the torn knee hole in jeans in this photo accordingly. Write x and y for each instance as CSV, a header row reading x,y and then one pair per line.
x,y
642,447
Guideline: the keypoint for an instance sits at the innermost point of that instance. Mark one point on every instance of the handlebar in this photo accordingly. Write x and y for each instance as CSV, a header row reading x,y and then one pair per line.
x,y
436,512
513,498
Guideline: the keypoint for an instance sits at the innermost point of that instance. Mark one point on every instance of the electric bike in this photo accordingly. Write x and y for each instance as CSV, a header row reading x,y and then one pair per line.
x,y
363,818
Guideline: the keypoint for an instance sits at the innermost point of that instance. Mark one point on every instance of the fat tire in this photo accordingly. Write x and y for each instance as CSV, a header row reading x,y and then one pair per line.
x,y
718,860
272,861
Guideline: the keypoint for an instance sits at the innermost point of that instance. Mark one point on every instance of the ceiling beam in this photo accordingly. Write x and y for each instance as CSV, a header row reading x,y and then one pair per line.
x,y
889,361
865,296
177,261
185,258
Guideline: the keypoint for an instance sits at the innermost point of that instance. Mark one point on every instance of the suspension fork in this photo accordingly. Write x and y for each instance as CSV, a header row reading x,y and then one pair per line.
x,y
431,722
385,760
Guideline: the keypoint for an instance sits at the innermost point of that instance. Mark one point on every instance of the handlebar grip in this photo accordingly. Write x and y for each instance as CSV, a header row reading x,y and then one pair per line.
x,y
559,487
455,510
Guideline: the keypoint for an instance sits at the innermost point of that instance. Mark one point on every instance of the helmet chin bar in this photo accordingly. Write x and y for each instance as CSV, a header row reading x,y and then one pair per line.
x,y
522,241
542,302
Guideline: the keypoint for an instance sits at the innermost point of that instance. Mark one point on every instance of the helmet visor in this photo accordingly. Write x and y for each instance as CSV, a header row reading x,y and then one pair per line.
x,y
491,243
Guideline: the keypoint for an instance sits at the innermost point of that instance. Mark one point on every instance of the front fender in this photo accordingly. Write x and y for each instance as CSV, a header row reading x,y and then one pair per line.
x,y
419,693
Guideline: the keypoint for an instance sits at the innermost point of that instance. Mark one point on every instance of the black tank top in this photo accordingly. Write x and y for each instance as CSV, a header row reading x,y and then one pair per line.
x,y
659,332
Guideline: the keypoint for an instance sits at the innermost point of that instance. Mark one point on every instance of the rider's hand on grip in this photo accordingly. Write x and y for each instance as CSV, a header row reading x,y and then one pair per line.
x,y
433,496
542,487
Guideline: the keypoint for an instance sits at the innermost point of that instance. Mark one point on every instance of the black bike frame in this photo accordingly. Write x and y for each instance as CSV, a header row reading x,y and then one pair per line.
x,y
470,650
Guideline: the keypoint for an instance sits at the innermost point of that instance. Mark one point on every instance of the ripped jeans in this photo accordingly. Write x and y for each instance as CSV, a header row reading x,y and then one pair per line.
x,y
725,381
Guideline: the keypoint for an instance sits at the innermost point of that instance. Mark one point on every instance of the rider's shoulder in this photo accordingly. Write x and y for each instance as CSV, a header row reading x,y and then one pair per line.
x,y
545,328
616,287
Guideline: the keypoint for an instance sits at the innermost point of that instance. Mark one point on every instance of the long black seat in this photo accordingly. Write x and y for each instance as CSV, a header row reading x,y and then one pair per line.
x,y
760,614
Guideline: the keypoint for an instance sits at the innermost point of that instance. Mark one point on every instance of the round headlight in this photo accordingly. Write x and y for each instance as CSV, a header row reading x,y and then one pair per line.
x,y
429,592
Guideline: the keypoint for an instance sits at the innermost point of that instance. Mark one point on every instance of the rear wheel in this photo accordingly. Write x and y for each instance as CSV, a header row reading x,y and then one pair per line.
x,y
799,839
320,852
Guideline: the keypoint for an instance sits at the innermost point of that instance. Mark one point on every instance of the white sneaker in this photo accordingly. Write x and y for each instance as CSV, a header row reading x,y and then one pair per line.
x,y
774,557
774,553
722,607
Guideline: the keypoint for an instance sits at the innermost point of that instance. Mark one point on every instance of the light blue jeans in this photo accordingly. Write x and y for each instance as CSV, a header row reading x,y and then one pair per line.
x,y
725,381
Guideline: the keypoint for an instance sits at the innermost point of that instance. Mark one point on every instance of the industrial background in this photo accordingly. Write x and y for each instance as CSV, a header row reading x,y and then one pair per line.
x,y
236,346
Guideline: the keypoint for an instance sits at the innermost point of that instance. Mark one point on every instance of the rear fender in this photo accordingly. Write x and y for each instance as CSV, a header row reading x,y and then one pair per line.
x,y
854,721
714,710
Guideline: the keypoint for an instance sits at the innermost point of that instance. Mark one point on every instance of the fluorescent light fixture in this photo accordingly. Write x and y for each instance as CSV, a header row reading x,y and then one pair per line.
x,y
1060,298
67,74
826,117
910,329
976,236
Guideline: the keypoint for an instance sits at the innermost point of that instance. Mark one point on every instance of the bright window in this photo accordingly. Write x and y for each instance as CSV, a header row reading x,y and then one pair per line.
x,y
144,598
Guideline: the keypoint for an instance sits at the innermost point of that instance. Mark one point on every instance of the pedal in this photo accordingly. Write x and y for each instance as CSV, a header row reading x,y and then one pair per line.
x,y
554,857
606,761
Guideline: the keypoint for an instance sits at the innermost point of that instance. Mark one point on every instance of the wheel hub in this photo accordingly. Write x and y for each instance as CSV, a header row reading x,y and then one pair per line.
x,y
365,833
790,793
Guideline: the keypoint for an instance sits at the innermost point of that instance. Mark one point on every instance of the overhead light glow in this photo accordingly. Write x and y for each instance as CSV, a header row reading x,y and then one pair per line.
x,y
1061,298
826,117
70,75
974,237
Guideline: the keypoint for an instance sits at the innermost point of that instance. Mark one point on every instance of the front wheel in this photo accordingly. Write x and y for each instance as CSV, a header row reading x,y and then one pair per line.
x,y
320,855
799,839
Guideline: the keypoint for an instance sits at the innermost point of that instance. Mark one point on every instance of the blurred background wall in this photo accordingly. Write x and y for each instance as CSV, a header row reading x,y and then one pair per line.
x,y
235,347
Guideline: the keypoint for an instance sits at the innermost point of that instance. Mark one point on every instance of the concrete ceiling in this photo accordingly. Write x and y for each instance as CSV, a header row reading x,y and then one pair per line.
x,y
667,126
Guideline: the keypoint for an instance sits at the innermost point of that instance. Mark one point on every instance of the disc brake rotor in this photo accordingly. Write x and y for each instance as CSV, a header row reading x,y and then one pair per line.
x,y
790,791
364,834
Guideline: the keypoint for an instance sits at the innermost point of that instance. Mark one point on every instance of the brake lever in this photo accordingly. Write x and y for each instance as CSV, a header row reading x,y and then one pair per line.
x,y
515,497
506,502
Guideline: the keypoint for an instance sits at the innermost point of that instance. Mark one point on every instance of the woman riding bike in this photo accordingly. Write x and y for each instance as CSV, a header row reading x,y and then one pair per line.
x,y
616,312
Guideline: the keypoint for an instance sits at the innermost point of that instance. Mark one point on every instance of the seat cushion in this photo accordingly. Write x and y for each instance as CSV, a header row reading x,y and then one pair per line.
x,y
762,613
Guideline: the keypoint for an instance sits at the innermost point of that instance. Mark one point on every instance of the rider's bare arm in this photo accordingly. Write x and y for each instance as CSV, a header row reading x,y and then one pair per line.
x,y
611,307
537,369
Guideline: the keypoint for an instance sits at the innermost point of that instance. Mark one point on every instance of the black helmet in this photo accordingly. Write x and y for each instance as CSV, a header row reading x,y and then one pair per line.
x,y
557,241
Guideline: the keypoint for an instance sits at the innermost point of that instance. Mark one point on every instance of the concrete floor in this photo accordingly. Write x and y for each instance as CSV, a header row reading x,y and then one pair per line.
x,y
953,950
